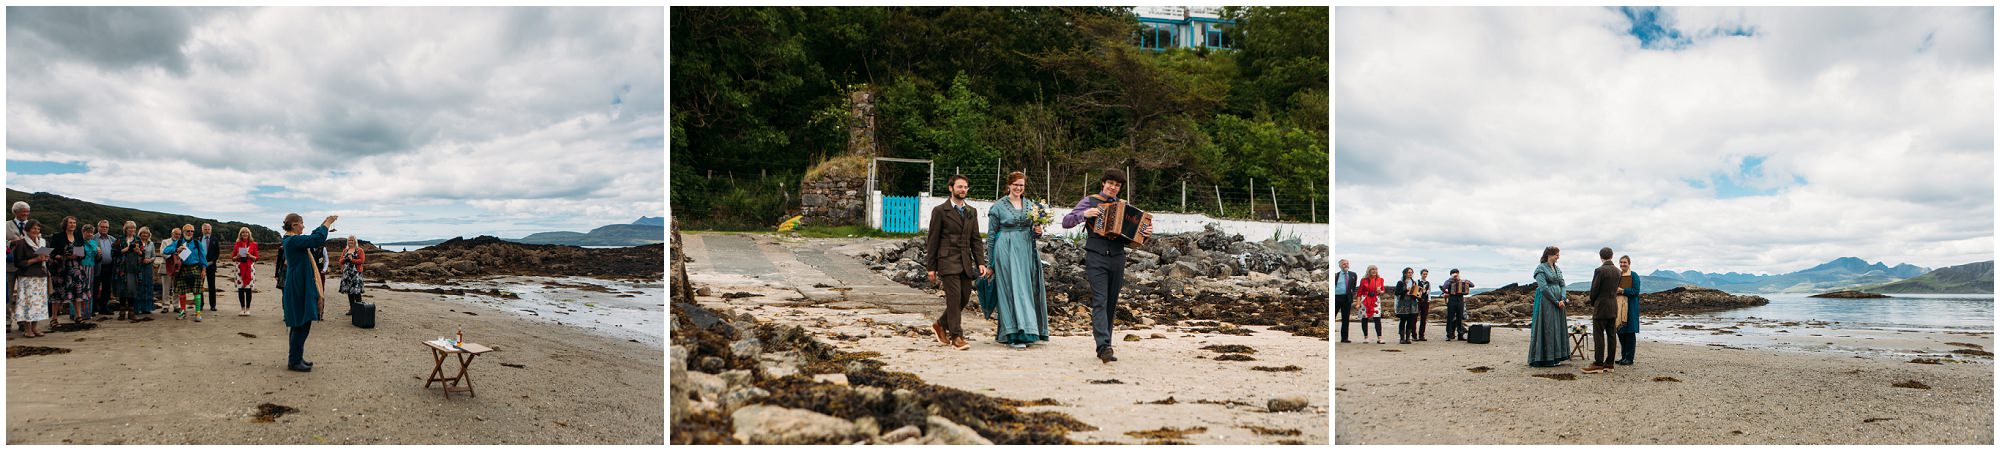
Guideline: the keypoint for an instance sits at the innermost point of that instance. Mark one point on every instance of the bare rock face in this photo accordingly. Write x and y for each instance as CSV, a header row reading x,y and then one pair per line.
x,y
1515,302
488,256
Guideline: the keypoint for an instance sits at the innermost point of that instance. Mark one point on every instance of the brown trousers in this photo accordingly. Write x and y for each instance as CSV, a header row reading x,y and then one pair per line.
x,y
957,287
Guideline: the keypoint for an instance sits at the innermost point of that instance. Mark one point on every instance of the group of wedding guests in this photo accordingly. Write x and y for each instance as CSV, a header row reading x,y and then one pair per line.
x,y
1012,290
1613,298
1363,295
79,272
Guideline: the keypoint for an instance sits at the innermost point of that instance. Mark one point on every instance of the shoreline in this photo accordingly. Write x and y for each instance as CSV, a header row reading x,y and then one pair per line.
x,y
178,382
1461,393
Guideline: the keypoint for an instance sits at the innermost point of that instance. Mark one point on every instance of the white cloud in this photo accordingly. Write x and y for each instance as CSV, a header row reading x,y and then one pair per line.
x,y
367,109
1481,135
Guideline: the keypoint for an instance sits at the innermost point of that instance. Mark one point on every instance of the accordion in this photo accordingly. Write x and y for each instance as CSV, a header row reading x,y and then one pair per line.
x,y
1120,220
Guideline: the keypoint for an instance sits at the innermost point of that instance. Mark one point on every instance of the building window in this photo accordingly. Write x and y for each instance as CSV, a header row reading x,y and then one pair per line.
x,y
1158,36
1217,37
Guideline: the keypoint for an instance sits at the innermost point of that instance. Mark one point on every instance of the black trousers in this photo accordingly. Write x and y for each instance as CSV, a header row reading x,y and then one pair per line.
x,y
1378,327
1106,275
243,297
1406,326
1345,304
1423,317
354,300
1454,322
297,351
212,290
1604,334
957,287
100,289
1627,342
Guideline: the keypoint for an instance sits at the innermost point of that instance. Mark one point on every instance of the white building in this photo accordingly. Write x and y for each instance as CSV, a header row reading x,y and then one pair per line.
x,y
1190,27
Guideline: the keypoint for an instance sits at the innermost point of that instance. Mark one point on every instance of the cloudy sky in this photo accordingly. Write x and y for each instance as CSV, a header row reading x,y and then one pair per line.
x,y
1763,140
411,123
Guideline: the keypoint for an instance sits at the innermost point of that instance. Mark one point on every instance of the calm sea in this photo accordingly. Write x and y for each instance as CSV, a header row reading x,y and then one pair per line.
x,y
404,248
1953,312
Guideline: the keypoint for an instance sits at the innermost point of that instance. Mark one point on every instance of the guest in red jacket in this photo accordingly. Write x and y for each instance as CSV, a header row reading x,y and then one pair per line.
x,y
246,260
1371,307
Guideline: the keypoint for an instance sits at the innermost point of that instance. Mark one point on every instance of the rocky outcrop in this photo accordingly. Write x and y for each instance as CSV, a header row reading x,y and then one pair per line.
x,y
735,380
489,256
682,290
1201,276
1850,294
1515,302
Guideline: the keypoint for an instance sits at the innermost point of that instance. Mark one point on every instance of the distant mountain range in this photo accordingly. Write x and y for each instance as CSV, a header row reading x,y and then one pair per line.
x,y
1845,273
646,230
1841,273
1968,278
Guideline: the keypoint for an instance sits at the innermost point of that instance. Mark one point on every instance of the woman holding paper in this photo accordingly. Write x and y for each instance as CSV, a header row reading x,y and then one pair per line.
x,y
31,284
246,258
67,281
302,292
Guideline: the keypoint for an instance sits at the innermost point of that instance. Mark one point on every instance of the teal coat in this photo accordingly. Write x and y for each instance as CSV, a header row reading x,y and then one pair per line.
x,y
301,293
1631,307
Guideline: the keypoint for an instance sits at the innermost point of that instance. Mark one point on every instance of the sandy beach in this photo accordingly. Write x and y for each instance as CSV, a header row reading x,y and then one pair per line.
x,y
857,311
1438,392
179,382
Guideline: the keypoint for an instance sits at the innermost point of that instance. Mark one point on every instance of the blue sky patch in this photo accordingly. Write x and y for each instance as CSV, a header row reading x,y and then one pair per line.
x,y
45,167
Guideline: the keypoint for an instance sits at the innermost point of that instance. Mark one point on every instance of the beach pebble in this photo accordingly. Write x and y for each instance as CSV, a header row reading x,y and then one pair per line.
x,y
706,387
741,396
1287,404
831,378
748,347
769,425
736,378
945,432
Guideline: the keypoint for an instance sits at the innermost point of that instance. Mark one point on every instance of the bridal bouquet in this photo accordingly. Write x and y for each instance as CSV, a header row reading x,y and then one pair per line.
x,y
1038,214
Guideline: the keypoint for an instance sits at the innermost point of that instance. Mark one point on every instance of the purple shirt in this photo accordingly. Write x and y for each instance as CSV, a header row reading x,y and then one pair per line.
x,y
1075,215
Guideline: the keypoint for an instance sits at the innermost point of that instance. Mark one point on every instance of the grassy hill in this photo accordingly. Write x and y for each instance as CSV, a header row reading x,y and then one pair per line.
x,y
1969,278
50,209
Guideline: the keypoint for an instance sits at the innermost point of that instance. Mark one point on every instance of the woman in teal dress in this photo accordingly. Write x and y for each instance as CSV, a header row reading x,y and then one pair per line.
x,y
1016,294
1548,336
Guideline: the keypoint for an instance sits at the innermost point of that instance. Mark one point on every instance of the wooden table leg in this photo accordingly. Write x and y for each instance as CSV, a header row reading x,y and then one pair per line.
x,y
437,374
464,363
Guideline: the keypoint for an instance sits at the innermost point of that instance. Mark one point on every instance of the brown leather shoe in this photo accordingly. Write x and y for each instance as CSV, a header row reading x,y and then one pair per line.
x,y
1594,369
959,342
943,338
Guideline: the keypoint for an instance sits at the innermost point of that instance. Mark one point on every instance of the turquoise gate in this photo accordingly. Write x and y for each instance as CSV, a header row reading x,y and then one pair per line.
x,y
899,214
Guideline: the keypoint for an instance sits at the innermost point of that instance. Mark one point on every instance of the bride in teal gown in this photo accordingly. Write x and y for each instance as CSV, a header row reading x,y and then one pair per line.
x,y
1016,294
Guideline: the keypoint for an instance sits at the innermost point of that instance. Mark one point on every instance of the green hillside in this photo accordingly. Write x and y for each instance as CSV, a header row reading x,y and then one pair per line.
x,y
1969,278
50,208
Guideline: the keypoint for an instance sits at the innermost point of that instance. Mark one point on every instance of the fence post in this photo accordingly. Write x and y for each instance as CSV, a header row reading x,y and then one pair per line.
x,y
1219,211
1047,175
1274,203
1313,203
1183,195
1253,198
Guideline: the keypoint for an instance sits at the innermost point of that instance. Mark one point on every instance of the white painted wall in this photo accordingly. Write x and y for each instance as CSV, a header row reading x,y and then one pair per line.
x,y
1307,233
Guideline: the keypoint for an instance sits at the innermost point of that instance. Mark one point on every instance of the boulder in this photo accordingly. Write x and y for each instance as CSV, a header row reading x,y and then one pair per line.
x,y
770,425
1287,404
944,432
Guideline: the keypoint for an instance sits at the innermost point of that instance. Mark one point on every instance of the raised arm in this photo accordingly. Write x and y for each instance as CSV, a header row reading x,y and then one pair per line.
x,y
1075,215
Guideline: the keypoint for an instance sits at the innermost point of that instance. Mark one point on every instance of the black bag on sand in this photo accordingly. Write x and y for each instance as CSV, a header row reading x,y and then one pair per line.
x,y
1478,334
364,315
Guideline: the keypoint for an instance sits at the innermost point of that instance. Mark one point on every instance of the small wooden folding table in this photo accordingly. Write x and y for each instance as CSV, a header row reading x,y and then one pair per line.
x,y
462,382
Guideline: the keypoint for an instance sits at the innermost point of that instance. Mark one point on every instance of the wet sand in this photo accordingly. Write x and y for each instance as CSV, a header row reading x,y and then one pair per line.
x,y
1427,393
179,382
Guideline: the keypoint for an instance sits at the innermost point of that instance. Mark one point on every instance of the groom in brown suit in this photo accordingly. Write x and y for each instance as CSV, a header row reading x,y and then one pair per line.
x,y
956,256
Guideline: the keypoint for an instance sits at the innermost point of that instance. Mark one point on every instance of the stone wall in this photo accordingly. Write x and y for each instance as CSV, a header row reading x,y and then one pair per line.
x,y
834,200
